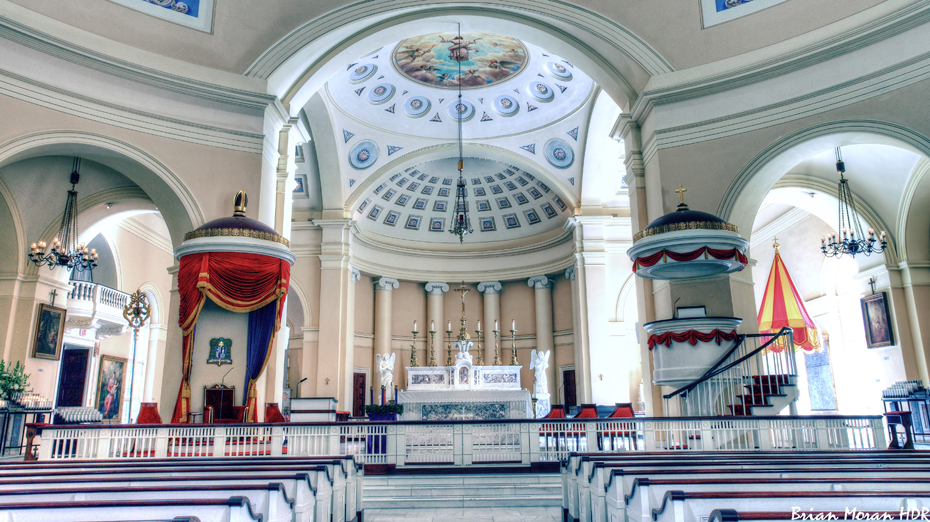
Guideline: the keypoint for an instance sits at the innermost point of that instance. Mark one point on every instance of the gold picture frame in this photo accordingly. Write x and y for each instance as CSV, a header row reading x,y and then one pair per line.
x,y
109,396
50,329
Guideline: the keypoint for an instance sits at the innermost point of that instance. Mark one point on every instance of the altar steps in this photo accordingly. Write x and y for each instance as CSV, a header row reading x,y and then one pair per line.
x,y
463,491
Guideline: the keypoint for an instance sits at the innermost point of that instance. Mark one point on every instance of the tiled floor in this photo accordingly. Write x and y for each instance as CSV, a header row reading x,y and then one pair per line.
x,y
528,514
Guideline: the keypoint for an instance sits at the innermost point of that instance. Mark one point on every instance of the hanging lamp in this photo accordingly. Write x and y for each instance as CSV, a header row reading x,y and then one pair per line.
x,y
461,225
851,240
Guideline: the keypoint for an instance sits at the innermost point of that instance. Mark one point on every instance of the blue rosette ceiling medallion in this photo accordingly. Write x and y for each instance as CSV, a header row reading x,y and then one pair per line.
x,y
364,154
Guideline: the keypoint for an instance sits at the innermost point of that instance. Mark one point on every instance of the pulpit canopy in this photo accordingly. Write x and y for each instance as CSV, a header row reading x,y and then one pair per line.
x,y
243,266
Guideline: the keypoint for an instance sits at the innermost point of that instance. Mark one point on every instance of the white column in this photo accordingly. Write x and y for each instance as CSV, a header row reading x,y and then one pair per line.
x,y
544,340
155,363
384,291
434,296
333,373
492,313
580,335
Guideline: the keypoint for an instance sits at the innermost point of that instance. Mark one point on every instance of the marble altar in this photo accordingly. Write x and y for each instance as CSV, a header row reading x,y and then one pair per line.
x,y
464,391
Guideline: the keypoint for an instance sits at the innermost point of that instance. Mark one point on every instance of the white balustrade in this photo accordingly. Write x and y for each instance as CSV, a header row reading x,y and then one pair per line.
x,y
463,443
97,301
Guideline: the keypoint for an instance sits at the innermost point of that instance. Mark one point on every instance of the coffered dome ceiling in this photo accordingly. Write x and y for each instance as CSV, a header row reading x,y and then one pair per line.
x,y
504,202
509,87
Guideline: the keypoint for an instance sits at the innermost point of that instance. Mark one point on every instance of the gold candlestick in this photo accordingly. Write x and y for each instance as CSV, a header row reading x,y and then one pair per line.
x,y
480,359
497,354
513,347
448,347
413,351
432,348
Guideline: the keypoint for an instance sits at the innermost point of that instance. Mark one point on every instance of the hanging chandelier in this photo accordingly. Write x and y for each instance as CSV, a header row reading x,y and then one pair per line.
x,y
851,240
66,251
461,225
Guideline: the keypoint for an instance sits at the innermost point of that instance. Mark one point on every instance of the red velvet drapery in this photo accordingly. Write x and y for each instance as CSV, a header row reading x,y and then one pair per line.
x,y
691,337
690,256
237,282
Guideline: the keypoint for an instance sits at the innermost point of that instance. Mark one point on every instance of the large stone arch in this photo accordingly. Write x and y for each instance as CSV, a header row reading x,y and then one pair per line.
x,y
297,65
12,233
156,181
744,196
913,227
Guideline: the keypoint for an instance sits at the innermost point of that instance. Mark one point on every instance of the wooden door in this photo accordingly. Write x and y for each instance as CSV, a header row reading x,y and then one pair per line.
x,y
72,377
568,381
358,395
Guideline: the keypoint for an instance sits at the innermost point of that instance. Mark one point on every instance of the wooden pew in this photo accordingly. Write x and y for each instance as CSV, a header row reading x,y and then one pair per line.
x,y
234,509
647,494
678,506
268,499
352,470
310,486
585,476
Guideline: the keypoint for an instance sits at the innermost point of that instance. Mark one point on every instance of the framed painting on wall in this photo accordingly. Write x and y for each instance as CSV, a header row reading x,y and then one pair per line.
x,y
878,330
50,328
715,12
110,387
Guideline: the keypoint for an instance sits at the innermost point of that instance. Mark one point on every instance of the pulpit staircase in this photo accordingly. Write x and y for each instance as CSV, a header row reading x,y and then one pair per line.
x,y
757,376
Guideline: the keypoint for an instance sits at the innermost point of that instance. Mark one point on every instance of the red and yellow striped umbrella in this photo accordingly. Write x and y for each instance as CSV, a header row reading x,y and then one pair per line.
x,y
782,306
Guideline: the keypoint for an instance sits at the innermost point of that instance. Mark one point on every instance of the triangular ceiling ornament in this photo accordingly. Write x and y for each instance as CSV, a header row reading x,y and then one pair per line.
x,y
436,118
347,135
531,148
516,91
391,108
359,91
485,117
351,66
546,55
351,182
572,181
405,92
481,100
375,57
782,307
573,133
530,107
540,75
392,149
561,87
569,63
441,100
381,77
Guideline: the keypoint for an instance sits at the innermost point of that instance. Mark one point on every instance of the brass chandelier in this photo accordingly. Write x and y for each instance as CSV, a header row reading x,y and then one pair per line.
x,y
461,225
66,251
851,239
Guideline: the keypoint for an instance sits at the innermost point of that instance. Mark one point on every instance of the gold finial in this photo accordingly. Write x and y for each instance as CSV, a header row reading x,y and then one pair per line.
x,y
681,194
240,202
776,245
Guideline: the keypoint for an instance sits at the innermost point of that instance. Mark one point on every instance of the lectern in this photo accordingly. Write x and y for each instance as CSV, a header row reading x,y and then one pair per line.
x,y
221,398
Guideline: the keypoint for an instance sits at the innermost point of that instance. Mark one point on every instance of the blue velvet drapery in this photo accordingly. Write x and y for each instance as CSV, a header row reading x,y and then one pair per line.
x,y
261,329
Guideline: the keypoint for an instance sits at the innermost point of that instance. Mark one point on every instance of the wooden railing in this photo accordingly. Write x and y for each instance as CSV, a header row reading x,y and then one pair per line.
x,y
461,443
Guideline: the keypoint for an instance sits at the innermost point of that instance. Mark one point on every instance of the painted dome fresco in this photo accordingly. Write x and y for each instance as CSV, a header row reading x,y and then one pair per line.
x,y
485,59
510,87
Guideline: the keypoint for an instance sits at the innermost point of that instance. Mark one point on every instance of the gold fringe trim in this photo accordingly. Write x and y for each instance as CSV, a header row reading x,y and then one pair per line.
x,y
237,232
689,225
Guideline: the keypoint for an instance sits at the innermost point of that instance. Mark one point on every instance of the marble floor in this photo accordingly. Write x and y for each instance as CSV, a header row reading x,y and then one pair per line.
x,y
502,514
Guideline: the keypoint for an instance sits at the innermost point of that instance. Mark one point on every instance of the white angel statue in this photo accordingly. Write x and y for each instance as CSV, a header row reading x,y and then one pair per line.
x,y
386,368
539,361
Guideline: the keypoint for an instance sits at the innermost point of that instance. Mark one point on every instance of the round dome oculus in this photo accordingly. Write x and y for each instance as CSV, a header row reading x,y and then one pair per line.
x,y
363,155
417,106
462,110
485,58
559,71
506,105
540,91
381,93
362,72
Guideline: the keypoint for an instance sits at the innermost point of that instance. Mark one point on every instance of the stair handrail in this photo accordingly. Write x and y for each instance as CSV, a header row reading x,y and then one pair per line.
x,y
740,340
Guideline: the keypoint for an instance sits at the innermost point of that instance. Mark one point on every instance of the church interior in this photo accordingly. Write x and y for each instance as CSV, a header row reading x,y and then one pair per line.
x,y
472,260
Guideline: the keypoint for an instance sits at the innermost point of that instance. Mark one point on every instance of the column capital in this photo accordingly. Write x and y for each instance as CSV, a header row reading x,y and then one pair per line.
x,y
540,282
570,273
490,287
436,288
386,283
354,274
